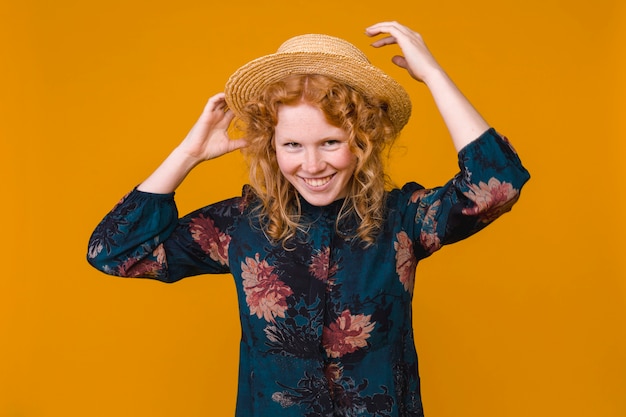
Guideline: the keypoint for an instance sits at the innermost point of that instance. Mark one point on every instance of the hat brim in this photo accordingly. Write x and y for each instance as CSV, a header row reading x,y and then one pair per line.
x,y
249,81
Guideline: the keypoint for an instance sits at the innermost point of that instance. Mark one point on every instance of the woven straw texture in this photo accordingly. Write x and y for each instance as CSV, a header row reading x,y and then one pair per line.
x,y
319,54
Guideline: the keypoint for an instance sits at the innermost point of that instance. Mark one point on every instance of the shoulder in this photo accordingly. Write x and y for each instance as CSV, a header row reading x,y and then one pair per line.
x,y
407,194
225,213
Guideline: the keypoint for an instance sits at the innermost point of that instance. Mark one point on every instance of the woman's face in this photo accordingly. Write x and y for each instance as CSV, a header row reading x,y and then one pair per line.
x,y
313,155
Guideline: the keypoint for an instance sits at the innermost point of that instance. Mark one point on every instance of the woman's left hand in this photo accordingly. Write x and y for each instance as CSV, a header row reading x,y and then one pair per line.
x,y
417,59
462,119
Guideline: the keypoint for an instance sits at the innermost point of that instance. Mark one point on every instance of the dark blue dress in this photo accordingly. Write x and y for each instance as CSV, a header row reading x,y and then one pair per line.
x,y
326,323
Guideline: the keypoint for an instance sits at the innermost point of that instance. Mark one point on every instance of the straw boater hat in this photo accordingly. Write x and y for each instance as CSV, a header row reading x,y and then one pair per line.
x,y
324,55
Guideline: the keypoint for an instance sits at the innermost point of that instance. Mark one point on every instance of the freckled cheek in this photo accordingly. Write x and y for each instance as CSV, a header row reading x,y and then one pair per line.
x,y
349,163
286,165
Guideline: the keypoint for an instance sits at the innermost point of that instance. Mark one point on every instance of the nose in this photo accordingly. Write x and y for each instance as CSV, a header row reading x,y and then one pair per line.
x,y
313,162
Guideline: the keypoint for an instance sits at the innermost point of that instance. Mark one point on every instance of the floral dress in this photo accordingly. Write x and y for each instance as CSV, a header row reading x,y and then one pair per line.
x,y
326,322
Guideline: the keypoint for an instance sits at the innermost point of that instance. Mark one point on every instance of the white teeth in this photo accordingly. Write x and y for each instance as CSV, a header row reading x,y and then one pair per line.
x,y
317,182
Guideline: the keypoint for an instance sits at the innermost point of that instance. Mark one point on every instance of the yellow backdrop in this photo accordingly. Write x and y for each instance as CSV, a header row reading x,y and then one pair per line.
x,y
525,319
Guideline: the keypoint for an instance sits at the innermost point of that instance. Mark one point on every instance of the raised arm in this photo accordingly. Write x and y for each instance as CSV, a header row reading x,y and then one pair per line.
x,y
207,139
143,237
463,121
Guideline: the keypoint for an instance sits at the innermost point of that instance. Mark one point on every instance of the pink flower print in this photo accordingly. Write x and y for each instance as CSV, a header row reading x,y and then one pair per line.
x,y
418,195
284,399
320,266
333,372
347,334
491,200
430,241
405,260
266,294
159,254
134,267
213,242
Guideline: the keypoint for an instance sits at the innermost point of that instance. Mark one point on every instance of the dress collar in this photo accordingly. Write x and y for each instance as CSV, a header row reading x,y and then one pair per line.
x,y
329,211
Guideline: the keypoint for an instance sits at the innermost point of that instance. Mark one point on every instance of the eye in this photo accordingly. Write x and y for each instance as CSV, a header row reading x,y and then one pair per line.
x,y
332,143
291,145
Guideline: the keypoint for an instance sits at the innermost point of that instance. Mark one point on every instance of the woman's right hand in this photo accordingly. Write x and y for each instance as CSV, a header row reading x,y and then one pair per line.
x,y
208,138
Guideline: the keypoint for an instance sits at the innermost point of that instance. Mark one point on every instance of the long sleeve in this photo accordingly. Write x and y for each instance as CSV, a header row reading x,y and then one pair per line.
x,y
143,237
487,186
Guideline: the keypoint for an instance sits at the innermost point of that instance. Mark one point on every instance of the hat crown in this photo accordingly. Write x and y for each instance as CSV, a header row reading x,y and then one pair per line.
x,y
323,55
322,44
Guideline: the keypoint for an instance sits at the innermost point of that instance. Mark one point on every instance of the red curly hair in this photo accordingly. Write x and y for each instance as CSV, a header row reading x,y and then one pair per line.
x,y
370,132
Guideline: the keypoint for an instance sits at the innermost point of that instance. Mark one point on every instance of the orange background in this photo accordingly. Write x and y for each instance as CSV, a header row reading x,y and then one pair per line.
x,y
525,319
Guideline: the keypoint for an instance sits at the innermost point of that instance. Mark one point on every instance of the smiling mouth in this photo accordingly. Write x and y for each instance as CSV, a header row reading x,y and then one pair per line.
x,y
317,182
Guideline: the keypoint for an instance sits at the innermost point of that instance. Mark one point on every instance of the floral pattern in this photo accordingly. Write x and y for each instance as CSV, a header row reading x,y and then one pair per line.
x,y
133,268
326,322
211,240
429,239
111,227
344,396
266,295
406,262
321,266
160,255
347,334
491,199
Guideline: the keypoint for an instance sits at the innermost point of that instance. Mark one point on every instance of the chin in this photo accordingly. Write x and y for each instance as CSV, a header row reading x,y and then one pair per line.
x,y
320,201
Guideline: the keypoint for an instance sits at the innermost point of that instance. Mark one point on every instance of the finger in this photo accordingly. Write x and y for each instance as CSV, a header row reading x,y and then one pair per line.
x,y
389,40
228,117
216,102
221,121
235,144
393,28
218,96
400,61
215,105
381,27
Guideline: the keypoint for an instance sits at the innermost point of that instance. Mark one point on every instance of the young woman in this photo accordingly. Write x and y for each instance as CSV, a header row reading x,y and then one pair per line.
x,y
323,253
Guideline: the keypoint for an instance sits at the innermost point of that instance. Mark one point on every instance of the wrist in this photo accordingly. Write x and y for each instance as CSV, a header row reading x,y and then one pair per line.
x,y
184,158
434,77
